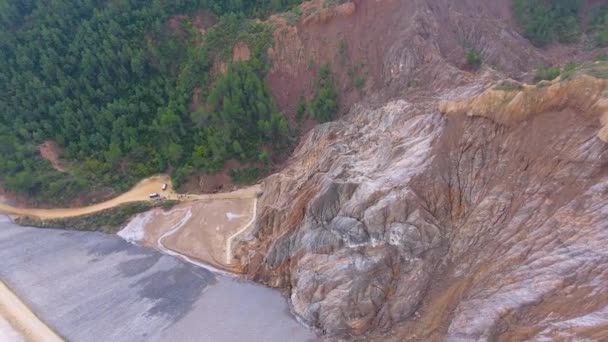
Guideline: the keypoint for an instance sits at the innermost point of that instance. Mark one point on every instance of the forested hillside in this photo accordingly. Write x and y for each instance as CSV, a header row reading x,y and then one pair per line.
x,y
112,85
546,22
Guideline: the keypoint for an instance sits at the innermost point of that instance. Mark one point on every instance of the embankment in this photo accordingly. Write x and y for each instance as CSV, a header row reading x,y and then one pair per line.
x,y
108,221
22,319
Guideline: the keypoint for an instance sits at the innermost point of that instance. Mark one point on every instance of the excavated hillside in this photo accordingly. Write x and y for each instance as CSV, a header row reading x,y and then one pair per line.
x,y
393,46
445,205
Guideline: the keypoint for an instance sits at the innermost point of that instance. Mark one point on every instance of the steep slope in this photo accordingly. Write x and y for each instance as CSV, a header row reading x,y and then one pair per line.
x,y
474,228
449,209
392,46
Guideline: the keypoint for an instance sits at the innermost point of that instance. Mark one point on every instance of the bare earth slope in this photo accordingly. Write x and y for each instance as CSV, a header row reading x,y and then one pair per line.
x,y
392,46
443,208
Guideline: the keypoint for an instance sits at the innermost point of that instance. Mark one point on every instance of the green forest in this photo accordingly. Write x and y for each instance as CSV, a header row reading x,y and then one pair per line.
x,y
549,21
112,85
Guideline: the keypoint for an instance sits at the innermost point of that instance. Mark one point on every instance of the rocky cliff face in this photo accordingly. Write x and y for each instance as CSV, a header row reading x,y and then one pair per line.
x,y
460,226
468,212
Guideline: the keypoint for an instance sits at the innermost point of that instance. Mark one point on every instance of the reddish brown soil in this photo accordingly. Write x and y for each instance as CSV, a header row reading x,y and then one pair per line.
x,y
218,182
357,39
326,35
50,151
241,52
197,99
10,198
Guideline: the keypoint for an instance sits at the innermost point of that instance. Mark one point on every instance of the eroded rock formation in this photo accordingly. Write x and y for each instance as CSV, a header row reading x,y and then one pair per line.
x,y
452,225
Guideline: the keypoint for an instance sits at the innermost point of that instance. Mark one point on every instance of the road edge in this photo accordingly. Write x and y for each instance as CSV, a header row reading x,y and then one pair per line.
x,y
22,319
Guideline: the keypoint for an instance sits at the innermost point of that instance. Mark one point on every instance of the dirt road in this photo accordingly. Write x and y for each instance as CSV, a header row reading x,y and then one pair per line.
x,y
22,319
139,192
229,254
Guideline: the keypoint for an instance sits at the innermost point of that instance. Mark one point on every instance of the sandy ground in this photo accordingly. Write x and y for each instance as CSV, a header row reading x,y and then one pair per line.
x,y
50,151
140,192
97,287
200,230
18,322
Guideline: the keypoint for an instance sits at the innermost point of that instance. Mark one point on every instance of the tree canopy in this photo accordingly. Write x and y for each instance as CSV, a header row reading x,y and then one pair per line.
x,y
544,22
112,85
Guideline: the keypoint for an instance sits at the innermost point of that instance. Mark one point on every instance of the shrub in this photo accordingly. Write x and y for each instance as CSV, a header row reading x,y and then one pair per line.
x,y
301,110
508,85
599,26
108,221
601,37
357,75
473,58
324,105
544,22
342,49
246,175
569,71
544,73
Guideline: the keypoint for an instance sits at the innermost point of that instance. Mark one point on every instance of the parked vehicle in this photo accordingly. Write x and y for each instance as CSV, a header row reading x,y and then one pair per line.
x,y
164,187
154,196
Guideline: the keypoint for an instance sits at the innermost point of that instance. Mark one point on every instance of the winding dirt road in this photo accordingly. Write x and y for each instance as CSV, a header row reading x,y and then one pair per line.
x,y
139,192
241,231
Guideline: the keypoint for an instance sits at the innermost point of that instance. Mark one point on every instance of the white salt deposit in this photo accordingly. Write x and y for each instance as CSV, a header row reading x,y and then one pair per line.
x,y
232,216
135,230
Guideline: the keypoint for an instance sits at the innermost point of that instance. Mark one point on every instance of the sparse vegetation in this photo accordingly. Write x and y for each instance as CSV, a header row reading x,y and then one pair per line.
x,y
474,59
544,22
568,72
544,73
301,110
329,3
357,76
601,37
294,15
508,85
359,82
413,83
598,27
342,47
598,69
324,106
245,175
108,221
